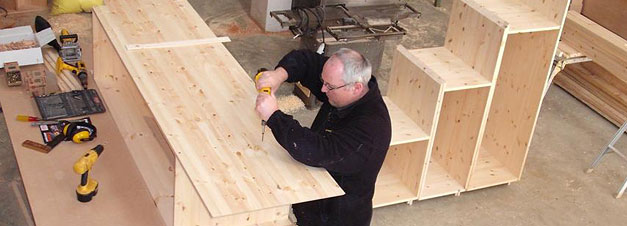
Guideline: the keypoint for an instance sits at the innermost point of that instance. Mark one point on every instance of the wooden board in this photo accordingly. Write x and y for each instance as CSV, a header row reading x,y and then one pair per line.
x,y
459,127
597,88
610,14
601,45
518,95
137,125
488,172
190,209
404,129
407,82
439,183
477,37
455,73
198,96
527,15
400,178
50,183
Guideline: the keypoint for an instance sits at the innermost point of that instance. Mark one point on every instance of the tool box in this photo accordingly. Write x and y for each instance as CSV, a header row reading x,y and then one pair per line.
x,y
69,104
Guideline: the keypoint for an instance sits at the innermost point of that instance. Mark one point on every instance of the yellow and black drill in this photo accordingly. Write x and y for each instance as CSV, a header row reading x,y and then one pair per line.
x,y
70,57
266,90
88,187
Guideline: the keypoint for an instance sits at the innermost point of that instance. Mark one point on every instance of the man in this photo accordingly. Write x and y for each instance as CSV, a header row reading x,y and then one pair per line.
x,y
349,137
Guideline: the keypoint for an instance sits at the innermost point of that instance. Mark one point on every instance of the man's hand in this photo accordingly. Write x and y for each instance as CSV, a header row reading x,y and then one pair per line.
x,y
266,106
272,79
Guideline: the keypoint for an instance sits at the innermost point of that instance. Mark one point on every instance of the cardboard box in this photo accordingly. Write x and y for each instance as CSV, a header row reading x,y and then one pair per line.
x,y
27,56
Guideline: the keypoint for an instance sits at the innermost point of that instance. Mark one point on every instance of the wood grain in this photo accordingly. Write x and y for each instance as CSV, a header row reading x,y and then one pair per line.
x,y
202,101
517,98
477,37
601,45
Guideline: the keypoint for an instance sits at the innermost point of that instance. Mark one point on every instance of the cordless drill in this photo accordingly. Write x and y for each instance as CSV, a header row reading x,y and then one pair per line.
x,y
88,187
266,90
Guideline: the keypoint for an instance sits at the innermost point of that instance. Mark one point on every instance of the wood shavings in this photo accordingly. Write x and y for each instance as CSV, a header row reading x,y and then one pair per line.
x,y
290,104
75,23
24,44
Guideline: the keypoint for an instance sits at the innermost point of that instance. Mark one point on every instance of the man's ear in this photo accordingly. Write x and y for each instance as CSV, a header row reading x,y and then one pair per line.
x,y
358,87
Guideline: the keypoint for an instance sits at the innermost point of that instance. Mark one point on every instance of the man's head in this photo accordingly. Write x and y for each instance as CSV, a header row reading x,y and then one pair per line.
x,y
345,77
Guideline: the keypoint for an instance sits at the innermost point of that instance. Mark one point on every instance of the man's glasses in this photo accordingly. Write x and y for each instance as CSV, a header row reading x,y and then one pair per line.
x,y
331,87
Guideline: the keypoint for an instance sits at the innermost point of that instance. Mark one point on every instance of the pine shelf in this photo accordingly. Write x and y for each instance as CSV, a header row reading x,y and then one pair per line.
x,y
390,189
439,183
520,16
452,70
489,171
405,129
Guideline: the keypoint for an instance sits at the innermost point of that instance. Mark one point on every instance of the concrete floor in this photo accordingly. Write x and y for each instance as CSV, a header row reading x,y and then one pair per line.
x,y
554,189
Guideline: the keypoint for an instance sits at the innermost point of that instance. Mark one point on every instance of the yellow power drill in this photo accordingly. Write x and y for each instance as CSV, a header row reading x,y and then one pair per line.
x,y
266,90
70,57
88,187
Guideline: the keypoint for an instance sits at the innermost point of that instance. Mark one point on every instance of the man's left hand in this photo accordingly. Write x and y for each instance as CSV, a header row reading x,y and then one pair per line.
x,y
266,105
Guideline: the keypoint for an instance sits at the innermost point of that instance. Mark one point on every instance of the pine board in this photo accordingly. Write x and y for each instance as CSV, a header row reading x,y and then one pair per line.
x,y
597,43
199,97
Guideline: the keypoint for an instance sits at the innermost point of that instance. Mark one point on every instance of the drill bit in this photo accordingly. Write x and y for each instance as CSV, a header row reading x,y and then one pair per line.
x,y
263,129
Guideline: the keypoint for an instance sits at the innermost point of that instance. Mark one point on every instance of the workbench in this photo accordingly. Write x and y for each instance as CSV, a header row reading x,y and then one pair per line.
x,y
182,141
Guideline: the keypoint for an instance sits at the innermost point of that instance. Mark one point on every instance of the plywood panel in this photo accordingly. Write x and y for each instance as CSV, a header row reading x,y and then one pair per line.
x,y
199,96
459,126
137,125
610,14
416,92
602,46
476,37
518,96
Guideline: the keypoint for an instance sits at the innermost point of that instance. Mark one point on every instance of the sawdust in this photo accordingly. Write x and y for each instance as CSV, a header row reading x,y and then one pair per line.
x,y
290,104
75,23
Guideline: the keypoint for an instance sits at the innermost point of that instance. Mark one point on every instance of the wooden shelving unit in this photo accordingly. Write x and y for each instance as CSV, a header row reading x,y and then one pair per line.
x,y
477,98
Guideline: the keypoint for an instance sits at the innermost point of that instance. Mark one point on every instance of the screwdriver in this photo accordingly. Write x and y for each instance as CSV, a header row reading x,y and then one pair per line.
x,y
266,90
26,118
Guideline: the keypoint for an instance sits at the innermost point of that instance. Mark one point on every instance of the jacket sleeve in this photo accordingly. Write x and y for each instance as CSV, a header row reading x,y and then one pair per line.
x,y
343,151
305,66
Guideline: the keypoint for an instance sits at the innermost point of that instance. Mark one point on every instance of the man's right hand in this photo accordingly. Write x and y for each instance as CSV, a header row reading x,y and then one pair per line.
x,y
272,79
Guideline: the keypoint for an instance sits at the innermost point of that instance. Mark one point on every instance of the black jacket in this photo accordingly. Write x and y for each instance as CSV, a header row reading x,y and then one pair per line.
x,y
350,143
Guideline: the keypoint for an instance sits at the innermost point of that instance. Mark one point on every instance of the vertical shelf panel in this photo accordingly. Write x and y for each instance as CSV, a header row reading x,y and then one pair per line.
x,y
455,140
518,95
407,82
476,37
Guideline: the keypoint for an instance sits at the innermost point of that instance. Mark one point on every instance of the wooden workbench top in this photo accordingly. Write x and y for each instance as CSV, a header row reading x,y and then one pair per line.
x,y
203,102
